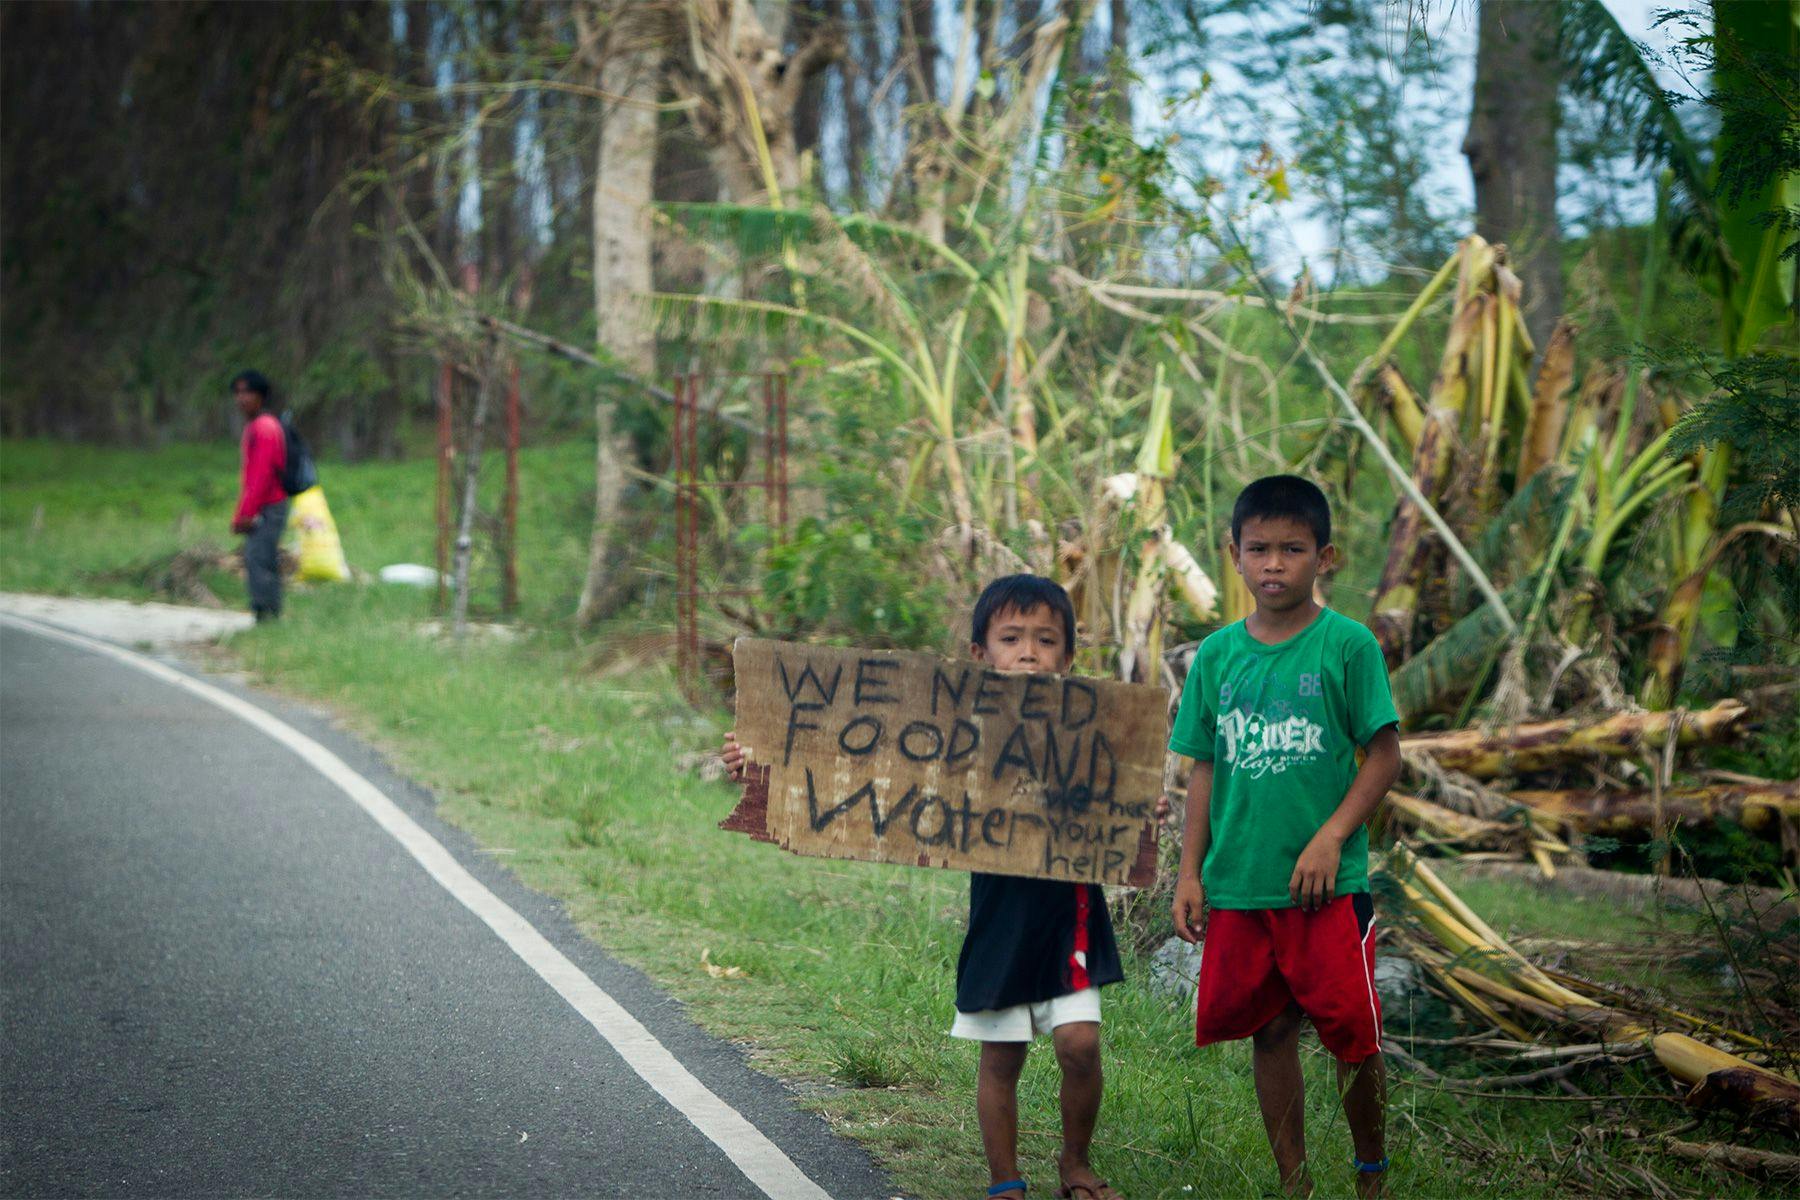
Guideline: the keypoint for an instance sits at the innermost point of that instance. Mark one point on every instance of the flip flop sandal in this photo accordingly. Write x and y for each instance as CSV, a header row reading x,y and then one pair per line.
x,y
1098,1190
1011,1185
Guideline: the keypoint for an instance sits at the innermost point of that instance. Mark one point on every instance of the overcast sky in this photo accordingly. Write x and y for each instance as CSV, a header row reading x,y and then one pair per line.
x,y
1452,25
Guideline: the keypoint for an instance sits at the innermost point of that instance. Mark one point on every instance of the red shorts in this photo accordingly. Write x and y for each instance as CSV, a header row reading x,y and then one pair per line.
x,y
1255,961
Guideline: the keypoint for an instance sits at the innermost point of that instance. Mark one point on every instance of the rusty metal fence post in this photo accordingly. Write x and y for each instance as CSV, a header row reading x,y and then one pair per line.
x,y
688,484
509,529
687,525
781,456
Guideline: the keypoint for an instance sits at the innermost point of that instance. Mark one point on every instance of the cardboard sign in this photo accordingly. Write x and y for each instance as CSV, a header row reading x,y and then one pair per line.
x,y
907,758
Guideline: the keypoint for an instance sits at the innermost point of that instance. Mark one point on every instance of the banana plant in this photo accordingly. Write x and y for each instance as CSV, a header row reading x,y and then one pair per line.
x,y
1722,231
1757,46
1457,431
1161,559
1610,500
923,346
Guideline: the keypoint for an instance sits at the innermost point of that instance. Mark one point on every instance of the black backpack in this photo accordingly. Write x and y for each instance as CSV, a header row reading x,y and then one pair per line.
x,y
299,473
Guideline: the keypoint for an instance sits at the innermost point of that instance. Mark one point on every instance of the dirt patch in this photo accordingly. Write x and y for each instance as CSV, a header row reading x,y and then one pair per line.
x,y
128,623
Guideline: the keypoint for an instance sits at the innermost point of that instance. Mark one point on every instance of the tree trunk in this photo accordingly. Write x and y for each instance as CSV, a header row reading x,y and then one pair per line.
x,y
963,130
624,172
810,19
1120,67
1635,892
1511,148
601,591
1722,1080
1449,825
471,464
919,22
735,64
1747,1159
861,71
499,166
624,168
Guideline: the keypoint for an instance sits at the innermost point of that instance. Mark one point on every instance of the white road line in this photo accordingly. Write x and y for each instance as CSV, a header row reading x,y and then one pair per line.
x,y
761,1161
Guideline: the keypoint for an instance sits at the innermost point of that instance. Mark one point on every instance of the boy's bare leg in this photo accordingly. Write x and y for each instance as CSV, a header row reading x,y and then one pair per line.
x,y
997,1107
1078,1054
1281,1094
1364,1088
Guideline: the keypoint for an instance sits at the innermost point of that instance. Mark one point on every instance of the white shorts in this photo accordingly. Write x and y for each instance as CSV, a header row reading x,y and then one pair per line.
x,y
1022,1022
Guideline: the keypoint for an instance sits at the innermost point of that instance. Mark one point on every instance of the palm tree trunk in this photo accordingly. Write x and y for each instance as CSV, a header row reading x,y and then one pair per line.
x,y
1511,148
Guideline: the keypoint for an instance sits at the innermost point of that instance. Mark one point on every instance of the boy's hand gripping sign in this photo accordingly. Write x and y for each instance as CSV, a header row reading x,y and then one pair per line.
x,y
909,758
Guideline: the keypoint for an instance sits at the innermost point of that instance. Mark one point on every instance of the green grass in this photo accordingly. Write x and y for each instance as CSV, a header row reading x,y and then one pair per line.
x,y
572,775
88,520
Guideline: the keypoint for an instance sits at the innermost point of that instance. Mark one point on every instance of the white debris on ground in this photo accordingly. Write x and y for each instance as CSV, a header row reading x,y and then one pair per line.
x,y
410,574
128,622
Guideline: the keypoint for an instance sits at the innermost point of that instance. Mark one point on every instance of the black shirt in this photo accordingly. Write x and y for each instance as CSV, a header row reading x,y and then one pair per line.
x,y
1021,938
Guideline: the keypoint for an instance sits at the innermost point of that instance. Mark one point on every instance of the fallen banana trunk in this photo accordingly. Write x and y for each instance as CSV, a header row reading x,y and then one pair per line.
x,y
1487,974
1616,1028
1466,936
1723,1080
1544,744
1694,1022
1756,807
1446,824
1535,835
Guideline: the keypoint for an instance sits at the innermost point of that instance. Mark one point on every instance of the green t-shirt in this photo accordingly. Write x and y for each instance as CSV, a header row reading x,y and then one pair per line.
x,y
1280,725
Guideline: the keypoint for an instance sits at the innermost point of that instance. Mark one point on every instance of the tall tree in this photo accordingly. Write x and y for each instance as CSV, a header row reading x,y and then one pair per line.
x,y
729,60
178,168
1511,148
626,57
918,23
968,136
625,52
1119,40
809,18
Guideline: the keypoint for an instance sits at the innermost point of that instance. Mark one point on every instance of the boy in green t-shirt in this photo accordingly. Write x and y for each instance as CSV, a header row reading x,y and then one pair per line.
x,y
1273,711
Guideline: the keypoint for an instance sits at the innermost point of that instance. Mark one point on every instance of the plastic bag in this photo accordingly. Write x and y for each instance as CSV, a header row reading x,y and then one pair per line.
x,y
321,555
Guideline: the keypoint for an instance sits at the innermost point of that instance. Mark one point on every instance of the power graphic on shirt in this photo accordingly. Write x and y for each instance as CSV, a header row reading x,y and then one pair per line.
x,y
1261,744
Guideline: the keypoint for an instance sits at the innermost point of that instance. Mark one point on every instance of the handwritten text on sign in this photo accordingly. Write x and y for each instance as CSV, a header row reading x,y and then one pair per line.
x,y
909,758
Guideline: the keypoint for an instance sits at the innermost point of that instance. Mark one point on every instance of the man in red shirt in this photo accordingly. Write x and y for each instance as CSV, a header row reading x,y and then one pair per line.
x,y
262,508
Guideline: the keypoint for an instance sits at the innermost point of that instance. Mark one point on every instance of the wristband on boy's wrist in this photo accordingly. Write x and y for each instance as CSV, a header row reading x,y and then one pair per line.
x,y
1369,1168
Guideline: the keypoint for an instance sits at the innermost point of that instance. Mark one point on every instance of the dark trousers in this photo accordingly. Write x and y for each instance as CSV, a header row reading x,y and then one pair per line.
x,y
262,560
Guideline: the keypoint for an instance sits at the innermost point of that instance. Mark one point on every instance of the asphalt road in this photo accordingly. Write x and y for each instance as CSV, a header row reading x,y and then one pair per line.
x,y
220,977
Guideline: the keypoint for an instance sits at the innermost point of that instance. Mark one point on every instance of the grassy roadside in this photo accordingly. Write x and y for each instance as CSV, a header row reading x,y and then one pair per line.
x,y
575,777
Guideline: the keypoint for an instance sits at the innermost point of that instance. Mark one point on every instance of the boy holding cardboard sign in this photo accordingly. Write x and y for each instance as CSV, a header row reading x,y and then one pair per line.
x,y
1273,711
1037,951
